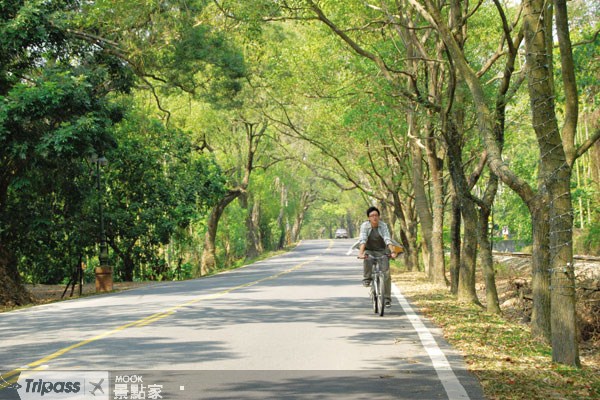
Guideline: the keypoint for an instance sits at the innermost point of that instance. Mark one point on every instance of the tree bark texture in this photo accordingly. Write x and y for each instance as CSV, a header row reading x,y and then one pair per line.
x,y
253,242
554,180
406,214
455,244
468,255
438,271
487,262
422,206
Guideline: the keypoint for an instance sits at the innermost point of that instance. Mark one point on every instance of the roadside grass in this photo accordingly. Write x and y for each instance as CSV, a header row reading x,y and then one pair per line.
x,y
508,362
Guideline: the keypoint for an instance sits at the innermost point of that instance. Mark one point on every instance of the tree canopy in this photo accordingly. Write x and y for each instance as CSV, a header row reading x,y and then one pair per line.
x,y
234,128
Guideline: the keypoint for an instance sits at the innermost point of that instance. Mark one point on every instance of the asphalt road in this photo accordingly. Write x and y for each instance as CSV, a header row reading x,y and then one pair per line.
x,y
296,326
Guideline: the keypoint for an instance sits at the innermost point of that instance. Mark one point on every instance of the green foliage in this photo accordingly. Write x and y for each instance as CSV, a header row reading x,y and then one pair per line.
x,y
62,63
155,185
232,238
174,46
56,108
588,241
584,17
49,223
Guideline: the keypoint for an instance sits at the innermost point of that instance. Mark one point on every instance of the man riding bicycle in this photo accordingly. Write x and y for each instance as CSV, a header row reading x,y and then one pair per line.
x,y
375,241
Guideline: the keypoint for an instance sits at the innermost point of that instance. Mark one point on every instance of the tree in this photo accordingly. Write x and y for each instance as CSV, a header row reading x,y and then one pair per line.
x,y
53,112
173,55
156,184
174,47
254,133
398,78
550,206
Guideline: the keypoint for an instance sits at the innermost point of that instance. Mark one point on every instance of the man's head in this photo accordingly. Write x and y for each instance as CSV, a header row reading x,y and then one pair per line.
x,y
373,212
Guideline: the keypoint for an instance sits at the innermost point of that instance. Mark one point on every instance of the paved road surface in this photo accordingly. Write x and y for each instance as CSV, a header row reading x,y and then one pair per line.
x,y
296,326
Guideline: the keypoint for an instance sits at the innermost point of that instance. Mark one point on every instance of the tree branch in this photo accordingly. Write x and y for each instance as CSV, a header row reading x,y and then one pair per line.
x,y
587,144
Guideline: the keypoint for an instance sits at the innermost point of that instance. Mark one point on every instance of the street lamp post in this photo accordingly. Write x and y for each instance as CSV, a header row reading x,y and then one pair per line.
x,y
104,281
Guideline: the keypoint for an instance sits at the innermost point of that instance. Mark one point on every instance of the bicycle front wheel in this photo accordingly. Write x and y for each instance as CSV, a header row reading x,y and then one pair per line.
x,y
374,292
381,293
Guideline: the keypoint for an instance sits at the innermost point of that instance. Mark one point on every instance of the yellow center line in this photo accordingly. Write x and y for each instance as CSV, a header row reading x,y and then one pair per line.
x,y
146,321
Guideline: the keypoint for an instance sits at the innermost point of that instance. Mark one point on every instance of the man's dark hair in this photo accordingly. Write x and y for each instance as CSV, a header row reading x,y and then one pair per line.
x,y
371,209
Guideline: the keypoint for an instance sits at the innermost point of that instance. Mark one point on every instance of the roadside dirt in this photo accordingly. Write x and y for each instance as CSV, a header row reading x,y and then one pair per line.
x,y
513,283
43,294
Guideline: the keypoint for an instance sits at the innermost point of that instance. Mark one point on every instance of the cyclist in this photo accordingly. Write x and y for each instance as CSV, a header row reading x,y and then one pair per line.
x,y
375,240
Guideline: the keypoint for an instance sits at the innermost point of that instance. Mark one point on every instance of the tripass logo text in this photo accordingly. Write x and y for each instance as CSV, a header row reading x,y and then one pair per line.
x,y
39,386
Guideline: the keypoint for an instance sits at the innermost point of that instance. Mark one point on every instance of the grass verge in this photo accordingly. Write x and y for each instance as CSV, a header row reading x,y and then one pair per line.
x,y
509,363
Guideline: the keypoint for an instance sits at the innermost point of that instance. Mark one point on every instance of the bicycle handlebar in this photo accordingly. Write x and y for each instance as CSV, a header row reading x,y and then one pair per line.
x,y
375,257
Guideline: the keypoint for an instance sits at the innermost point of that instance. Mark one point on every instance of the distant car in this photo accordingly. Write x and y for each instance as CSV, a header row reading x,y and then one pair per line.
x,y
341,233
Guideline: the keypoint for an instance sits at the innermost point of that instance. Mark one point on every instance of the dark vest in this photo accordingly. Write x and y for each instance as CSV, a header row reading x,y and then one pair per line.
x,y
375,245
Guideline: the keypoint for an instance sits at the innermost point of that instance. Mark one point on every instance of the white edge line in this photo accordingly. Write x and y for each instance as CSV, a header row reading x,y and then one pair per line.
x,y
454,389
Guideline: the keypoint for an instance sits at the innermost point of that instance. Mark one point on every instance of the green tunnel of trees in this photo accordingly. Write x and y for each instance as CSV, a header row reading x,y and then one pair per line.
x,y
234,128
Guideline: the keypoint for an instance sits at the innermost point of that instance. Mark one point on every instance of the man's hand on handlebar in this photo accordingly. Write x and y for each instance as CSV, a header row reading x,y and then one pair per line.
x,y
364,256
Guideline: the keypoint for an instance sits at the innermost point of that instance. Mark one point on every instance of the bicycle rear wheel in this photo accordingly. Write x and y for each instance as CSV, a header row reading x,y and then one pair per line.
x,y
381,294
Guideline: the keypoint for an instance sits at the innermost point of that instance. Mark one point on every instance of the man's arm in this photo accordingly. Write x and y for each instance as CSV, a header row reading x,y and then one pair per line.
x,y
361,250
362,239
384,231
387,237
363,235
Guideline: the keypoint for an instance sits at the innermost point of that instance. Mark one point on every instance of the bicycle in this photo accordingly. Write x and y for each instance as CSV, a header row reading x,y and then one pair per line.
x,y
377,291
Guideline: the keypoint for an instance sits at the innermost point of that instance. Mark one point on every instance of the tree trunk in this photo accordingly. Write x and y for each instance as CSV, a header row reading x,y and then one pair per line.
x,y
468,255
438,270
404,212
229,254
253,245
409,241
305,203
412,258
487,261
556,154
281,218
422,205
252,241
13,292
455,244
562,294
209,251
253,138
554,180
125,256
295,234
128,267
296,227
